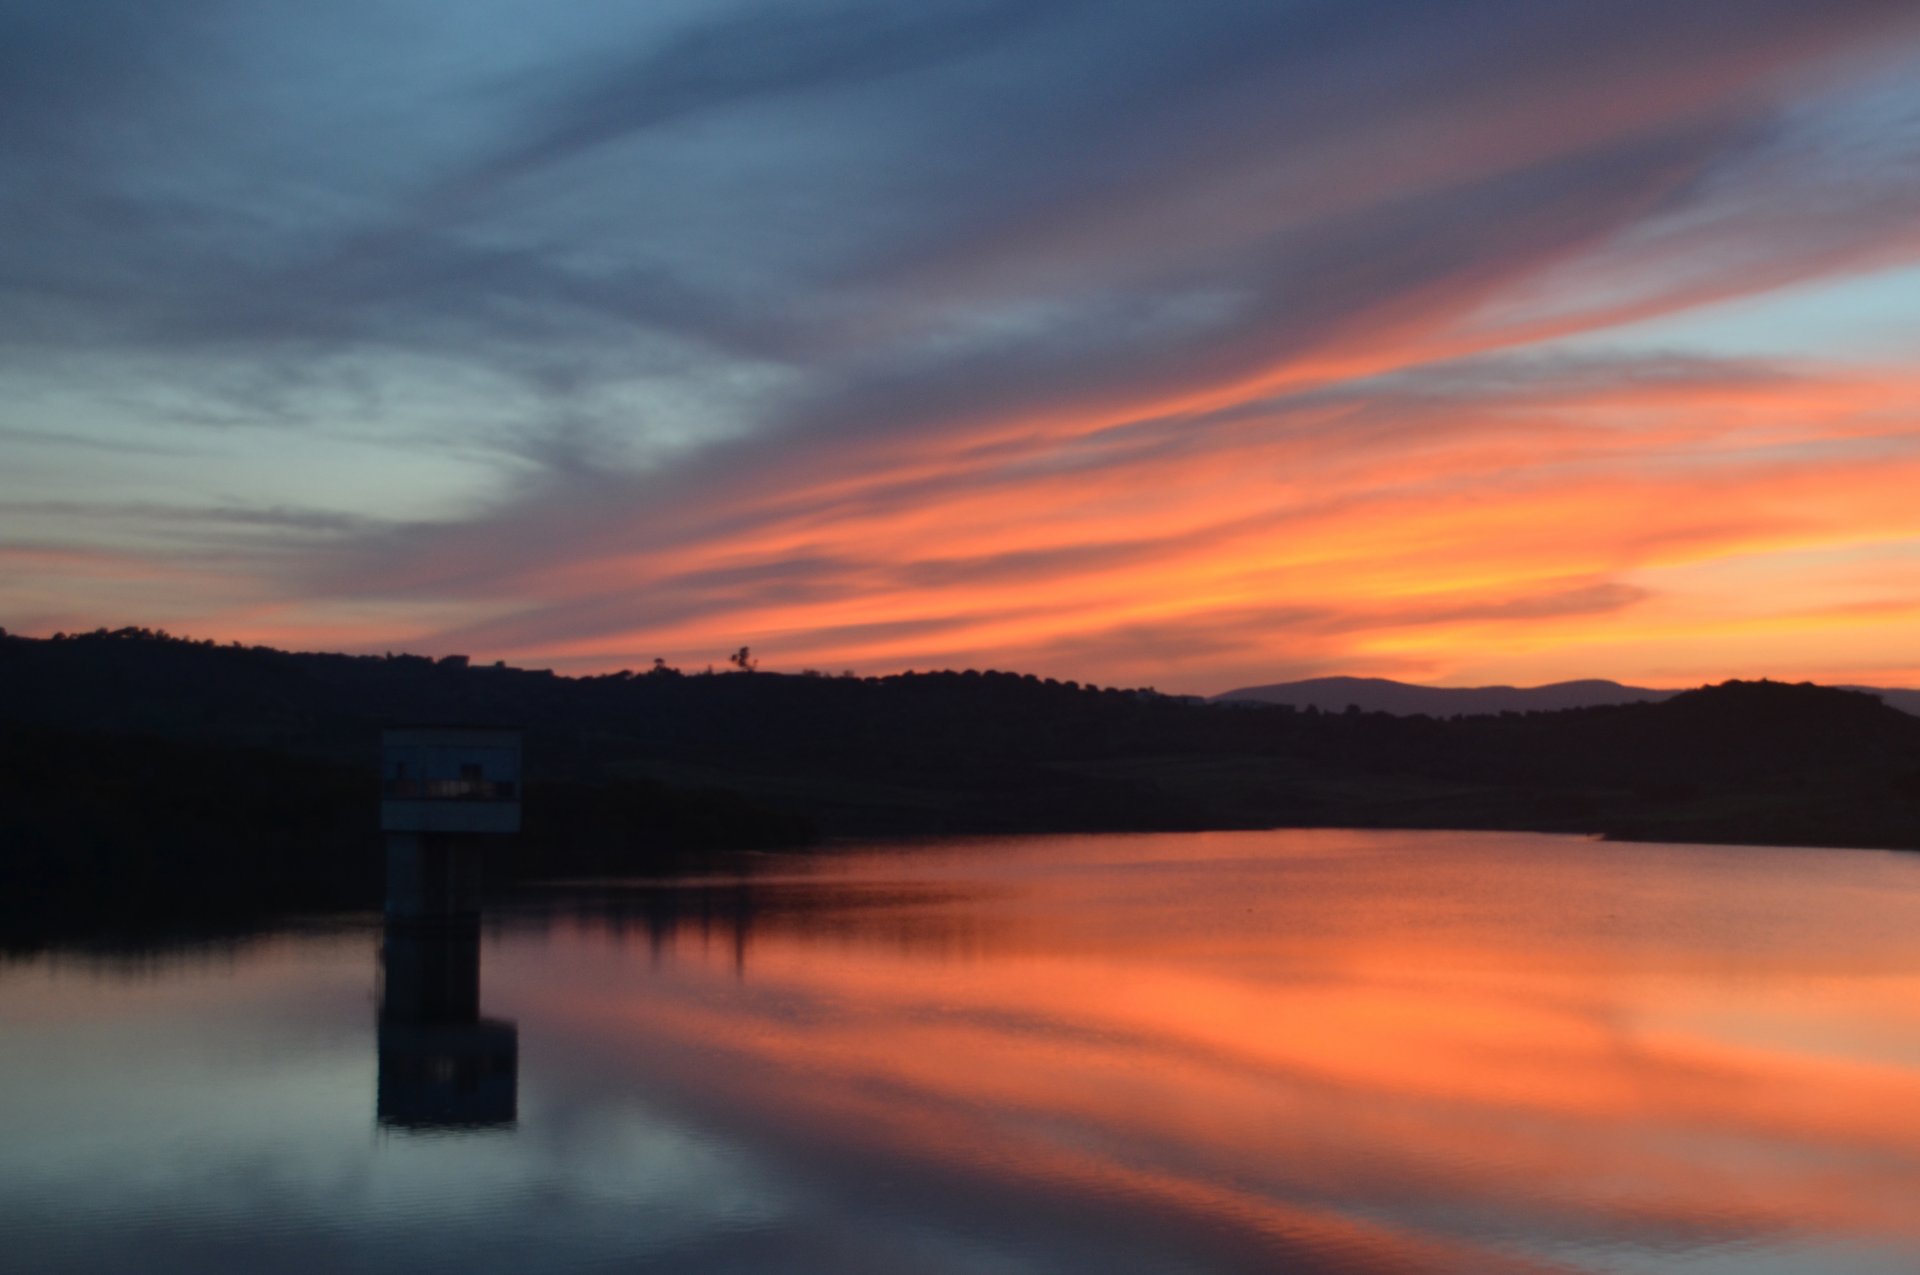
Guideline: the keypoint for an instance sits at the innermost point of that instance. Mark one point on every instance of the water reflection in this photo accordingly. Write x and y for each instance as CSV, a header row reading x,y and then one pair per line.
x,y
1436,1054
1325,1051
727,914
441,1065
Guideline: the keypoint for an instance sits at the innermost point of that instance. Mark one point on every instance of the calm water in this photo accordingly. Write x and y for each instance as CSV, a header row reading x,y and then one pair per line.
x,y
1196,1053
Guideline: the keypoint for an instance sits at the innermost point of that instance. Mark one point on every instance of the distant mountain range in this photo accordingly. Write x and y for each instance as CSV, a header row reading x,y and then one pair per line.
x,y
1381,695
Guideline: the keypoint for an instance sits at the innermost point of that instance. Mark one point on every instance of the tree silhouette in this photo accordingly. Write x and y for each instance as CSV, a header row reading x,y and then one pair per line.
x,y
743,660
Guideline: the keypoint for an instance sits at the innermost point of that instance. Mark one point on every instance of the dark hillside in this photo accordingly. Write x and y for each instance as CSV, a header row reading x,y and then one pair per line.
x,y
658,760
1738,732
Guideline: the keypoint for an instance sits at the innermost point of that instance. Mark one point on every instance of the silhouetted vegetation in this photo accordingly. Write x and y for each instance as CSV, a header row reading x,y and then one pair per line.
x,y
125,827
185,774
126,831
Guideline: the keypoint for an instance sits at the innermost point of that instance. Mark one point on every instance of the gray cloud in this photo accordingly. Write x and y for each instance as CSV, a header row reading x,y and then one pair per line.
x,y
753,54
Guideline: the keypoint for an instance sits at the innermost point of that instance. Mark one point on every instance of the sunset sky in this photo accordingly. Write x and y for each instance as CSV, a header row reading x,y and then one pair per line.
x,y
1190,344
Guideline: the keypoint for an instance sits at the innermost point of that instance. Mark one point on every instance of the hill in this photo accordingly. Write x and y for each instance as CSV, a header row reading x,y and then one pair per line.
x,y
122,748
1906,701
1382,695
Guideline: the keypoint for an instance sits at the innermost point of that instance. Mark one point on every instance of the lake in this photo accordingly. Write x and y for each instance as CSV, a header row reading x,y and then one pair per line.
x,y
1219,1052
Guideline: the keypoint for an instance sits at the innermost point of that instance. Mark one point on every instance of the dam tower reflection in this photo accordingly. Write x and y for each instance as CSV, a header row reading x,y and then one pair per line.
x,y
442,1065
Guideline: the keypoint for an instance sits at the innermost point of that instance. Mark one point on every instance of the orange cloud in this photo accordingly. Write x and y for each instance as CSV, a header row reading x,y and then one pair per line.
x,y
1351,505
1432,526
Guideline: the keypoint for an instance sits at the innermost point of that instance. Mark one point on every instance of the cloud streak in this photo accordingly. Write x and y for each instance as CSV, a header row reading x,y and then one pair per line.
x,y
1264,340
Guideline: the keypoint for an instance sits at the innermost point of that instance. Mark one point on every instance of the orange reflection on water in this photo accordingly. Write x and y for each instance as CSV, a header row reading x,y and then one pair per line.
x,y
1432,1052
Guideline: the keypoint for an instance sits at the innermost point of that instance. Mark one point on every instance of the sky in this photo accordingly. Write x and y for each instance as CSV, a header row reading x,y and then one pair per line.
x,y
1193,345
